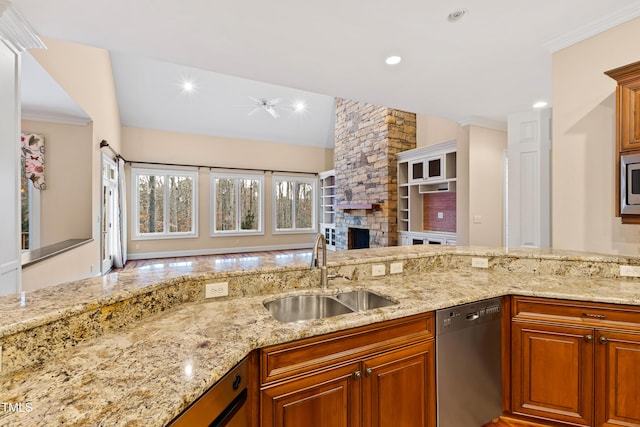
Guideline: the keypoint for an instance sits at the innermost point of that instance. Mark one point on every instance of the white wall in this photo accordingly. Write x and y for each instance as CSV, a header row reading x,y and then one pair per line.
x,y
583,163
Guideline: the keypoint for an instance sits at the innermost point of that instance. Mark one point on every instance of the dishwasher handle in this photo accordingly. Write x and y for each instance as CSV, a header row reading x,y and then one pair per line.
x,y
473,316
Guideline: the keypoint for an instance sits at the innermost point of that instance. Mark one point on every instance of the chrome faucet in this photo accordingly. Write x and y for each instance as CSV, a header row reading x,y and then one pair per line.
x,y
314,258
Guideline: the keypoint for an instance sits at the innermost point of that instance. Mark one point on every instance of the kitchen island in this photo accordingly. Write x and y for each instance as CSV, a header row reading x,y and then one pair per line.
x,y
134,364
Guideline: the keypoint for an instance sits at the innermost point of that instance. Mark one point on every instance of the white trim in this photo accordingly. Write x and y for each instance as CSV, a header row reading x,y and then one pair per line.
x,y
212,207
603,23
204,252
16,31
443,147
314,208
166,171
483,123
56,118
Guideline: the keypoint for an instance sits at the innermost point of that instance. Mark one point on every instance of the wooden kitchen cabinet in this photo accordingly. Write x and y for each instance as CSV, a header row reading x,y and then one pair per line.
x,y
552,372
377,375
396,388
627,106
627,124
574,363
329,398
617,379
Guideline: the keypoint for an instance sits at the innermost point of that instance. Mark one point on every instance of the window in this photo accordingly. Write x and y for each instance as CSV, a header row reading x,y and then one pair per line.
x,y
165,203
30,209
236,204
294,204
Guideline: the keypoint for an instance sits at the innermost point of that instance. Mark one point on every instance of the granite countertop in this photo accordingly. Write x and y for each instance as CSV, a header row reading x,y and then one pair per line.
x,y
147,372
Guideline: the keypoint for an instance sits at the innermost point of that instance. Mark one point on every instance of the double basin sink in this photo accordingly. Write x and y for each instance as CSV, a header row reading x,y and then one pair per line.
x,y
310,307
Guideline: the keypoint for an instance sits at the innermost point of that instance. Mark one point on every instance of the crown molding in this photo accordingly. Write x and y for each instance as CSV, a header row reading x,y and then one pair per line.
x,y
64,119
484,123
15,30
602,24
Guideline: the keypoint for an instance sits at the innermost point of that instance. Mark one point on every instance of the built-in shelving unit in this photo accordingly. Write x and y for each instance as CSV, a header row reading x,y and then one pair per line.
x,y
421,171
328,207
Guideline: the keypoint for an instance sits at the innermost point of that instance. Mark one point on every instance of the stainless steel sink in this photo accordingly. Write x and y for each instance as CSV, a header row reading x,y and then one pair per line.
x,y
305,307
362,300
309,307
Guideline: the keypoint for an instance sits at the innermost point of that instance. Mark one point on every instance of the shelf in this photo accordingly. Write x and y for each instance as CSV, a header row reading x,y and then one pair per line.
x,y
437,187
358,206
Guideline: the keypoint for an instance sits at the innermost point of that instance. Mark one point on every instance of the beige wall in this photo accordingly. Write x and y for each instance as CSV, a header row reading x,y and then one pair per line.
x,y
583,170
486,174
65,205
479,176
85,73
179,148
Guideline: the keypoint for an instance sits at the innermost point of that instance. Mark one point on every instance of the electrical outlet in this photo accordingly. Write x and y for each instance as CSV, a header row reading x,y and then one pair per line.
x,y
480,262
440,215
630,271
378,270
213,290
395,268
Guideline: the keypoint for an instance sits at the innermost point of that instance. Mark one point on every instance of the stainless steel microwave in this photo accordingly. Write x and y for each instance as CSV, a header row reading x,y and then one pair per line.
x,y
630,184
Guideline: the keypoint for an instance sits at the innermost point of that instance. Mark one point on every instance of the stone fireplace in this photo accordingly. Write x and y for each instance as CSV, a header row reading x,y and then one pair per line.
x,y
367,140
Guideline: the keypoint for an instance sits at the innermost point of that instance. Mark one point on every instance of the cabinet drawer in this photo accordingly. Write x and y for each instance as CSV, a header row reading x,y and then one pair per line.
x,y
284,360
576,312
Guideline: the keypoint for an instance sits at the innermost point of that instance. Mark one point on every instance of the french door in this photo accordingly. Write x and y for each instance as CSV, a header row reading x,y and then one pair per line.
x,y
108,215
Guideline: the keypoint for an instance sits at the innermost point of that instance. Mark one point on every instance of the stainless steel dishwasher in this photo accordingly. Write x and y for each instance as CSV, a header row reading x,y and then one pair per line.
x,y
468,364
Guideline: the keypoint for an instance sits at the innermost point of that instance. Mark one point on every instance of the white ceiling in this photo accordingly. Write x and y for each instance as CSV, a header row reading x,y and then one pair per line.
x,y
494,61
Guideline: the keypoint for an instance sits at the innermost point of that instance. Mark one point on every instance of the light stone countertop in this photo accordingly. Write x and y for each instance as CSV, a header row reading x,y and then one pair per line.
x,y
147,372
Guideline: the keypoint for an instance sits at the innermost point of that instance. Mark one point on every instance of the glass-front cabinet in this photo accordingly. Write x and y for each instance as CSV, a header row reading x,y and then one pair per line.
x,y
328,207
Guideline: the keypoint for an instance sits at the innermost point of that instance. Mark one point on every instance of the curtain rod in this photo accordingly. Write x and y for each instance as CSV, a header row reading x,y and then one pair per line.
x,y
218,167
104,144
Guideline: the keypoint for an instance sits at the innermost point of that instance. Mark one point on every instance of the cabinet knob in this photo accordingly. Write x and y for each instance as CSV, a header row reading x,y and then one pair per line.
x,y
588,338
368,372
603,340
357,374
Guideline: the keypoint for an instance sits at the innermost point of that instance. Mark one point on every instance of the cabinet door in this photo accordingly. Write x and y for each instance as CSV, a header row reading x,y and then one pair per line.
x,y
434,168
617,379
629,116
552,372
399,388
327,399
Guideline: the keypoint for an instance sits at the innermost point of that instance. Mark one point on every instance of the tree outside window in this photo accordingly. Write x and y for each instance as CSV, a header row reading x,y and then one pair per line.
x,y
237,204
294,203
165,203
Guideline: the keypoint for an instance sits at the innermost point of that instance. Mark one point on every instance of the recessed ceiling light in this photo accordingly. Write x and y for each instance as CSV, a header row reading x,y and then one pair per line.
x,y
188,86
393,60
299,106
456,15
540,104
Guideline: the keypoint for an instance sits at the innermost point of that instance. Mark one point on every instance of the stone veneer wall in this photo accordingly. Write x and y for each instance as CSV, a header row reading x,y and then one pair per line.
x,y
368,137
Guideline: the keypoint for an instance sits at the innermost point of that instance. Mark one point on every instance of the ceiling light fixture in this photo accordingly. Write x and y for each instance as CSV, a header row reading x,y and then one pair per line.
x,y
540,104
188,86
299,107
456,15
393,60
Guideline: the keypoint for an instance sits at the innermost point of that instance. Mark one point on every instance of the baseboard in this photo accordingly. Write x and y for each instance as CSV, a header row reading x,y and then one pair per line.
x,y
218,251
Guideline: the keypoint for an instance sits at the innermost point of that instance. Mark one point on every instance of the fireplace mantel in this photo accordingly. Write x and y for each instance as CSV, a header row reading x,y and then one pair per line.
x,y
359,206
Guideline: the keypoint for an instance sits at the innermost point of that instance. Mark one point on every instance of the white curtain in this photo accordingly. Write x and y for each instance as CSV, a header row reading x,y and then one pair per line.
x,y
120,223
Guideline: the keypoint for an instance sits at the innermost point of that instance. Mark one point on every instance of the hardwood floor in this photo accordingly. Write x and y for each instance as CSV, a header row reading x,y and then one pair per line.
x,y
223,262
507,422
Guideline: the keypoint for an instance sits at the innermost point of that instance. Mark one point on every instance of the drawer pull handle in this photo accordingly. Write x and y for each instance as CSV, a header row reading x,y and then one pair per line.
x,y
594,316
357,374
368,372
603,340
588,338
